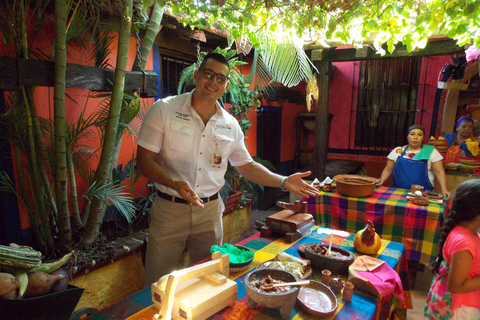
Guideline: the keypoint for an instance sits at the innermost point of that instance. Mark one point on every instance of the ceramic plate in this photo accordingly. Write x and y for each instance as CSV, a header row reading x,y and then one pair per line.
x,y
317,299
306,274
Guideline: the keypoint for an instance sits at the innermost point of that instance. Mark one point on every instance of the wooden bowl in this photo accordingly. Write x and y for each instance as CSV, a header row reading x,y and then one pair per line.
x,y
420,201
354,185
317,299
335,265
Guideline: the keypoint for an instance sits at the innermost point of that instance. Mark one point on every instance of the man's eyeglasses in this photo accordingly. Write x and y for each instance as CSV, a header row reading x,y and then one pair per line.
x,y
209,74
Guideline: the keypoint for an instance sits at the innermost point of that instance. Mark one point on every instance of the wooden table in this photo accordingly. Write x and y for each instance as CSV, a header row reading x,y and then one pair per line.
x,y
363,306
394,218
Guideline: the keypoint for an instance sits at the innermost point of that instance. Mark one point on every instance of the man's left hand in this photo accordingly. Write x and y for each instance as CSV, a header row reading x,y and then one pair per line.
x,y
295,184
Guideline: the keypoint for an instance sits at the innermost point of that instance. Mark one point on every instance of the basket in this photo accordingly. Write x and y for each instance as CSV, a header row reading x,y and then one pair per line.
x,y
238,267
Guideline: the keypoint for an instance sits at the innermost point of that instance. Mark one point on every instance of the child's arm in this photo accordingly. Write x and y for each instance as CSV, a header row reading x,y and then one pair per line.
x,y
457,276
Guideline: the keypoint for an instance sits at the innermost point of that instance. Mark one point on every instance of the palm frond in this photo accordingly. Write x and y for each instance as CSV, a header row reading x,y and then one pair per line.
x,y
186,77
260,76
103,41
81,162
287,62
118,197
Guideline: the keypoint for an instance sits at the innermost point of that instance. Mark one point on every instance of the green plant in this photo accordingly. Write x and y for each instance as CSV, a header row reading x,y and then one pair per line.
x,y
49,152
386,24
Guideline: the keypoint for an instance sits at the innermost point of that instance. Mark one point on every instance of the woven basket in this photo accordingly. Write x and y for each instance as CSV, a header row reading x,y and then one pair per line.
x,y
238,267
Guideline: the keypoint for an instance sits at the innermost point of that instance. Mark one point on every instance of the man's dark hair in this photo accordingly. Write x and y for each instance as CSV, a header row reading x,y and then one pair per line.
x,y
217,57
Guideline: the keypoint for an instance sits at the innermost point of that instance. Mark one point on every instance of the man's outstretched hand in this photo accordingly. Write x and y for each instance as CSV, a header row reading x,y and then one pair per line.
x,y
295,184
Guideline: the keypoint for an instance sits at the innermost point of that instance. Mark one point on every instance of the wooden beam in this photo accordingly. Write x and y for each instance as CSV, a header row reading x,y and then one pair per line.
x,y
321,119
174,41
20,72
433,48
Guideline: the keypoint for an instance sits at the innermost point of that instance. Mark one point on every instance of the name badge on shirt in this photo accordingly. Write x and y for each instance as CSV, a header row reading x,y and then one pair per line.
x,y
216,157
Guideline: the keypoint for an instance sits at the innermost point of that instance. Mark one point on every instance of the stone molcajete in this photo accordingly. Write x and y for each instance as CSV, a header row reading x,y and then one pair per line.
x,y
285,301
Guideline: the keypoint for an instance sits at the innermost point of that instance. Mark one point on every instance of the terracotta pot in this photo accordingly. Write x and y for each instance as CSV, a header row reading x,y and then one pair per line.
x,y
354,185
326,276
348,291
233,199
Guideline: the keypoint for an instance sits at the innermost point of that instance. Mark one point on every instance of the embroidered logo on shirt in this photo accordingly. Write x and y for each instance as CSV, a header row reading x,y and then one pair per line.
x,y
221,126
182,116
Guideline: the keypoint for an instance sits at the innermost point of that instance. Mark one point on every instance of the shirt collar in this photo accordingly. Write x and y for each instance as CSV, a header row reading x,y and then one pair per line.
x,y
188,104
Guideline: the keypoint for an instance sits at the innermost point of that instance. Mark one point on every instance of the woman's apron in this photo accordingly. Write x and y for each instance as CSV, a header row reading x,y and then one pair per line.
x,y
408,171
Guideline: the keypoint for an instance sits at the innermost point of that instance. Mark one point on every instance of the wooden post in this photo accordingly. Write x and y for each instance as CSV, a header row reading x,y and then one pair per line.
x,y
321,119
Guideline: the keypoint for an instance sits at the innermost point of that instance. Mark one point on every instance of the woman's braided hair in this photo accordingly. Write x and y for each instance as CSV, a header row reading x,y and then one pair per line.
x,y
465,207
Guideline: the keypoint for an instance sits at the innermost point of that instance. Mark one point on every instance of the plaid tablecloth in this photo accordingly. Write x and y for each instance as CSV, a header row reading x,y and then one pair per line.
x,y
363,306
394,218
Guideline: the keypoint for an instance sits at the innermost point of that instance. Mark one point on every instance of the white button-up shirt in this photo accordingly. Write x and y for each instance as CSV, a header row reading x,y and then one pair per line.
x,y
186,146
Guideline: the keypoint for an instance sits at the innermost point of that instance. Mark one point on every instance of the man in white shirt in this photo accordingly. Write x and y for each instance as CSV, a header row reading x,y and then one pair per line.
x,y
183,147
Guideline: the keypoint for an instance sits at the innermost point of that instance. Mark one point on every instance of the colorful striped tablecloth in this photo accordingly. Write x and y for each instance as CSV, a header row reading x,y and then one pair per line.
x,y
363,306
394,218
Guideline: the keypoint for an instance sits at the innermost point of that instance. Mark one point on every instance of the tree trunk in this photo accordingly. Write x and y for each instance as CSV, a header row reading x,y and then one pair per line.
x,y
61,177
95,216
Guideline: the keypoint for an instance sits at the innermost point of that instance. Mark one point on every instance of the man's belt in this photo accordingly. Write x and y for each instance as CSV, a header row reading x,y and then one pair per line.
x,y
180,200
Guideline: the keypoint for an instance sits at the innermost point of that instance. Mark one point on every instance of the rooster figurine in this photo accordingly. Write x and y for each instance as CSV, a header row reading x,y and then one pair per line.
x,y
367,240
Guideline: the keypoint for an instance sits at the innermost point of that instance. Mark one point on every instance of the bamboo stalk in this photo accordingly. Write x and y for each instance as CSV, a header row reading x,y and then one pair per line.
x,y
153,28
61,178
97,210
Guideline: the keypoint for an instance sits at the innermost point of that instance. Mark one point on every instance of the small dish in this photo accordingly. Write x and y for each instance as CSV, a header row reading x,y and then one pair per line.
x,y
419,201
317,299
305,275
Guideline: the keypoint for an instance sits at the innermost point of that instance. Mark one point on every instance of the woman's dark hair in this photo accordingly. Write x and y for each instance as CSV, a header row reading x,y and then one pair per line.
x,y
465,207
415,126
217,57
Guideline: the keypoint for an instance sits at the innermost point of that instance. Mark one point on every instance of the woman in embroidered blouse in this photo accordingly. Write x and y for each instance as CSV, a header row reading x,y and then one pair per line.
x,y
455,289
415,163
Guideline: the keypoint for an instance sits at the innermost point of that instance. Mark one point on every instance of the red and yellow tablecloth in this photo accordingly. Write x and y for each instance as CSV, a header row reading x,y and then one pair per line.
x,y
394,218
363,306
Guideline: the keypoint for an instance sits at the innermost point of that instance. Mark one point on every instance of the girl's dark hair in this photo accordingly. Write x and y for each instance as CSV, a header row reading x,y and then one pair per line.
x,y
465,207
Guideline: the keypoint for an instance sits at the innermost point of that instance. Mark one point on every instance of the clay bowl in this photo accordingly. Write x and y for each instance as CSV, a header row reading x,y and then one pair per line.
x,y
283,300
356,186
317,299
334,264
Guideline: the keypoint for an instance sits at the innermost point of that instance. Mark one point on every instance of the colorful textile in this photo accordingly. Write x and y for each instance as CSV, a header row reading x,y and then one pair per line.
x,y
376,274
424,153
395,219
363,306
439,299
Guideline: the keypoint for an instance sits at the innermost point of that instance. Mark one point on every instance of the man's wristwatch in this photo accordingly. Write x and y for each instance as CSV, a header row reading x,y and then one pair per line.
x,y
282,184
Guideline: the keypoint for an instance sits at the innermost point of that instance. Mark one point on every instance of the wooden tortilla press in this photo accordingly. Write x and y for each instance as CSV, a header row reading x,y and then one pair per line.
x,y
195,293
294,221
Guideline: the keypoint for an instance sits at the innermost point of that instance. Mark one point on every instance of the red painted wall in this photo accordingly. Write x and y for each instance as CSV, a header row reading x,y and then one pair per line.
x,y
77,101
343,94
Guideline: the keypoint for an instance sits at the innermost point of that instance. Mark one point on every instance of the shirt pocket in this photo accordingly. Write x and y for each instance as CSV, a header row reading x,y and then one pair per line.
x,y
224,141
181,137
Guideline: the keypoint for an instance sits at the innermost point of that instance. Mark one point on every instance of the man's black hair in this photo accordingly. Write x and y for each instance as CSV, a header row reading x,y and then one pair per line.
x,y
217,57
